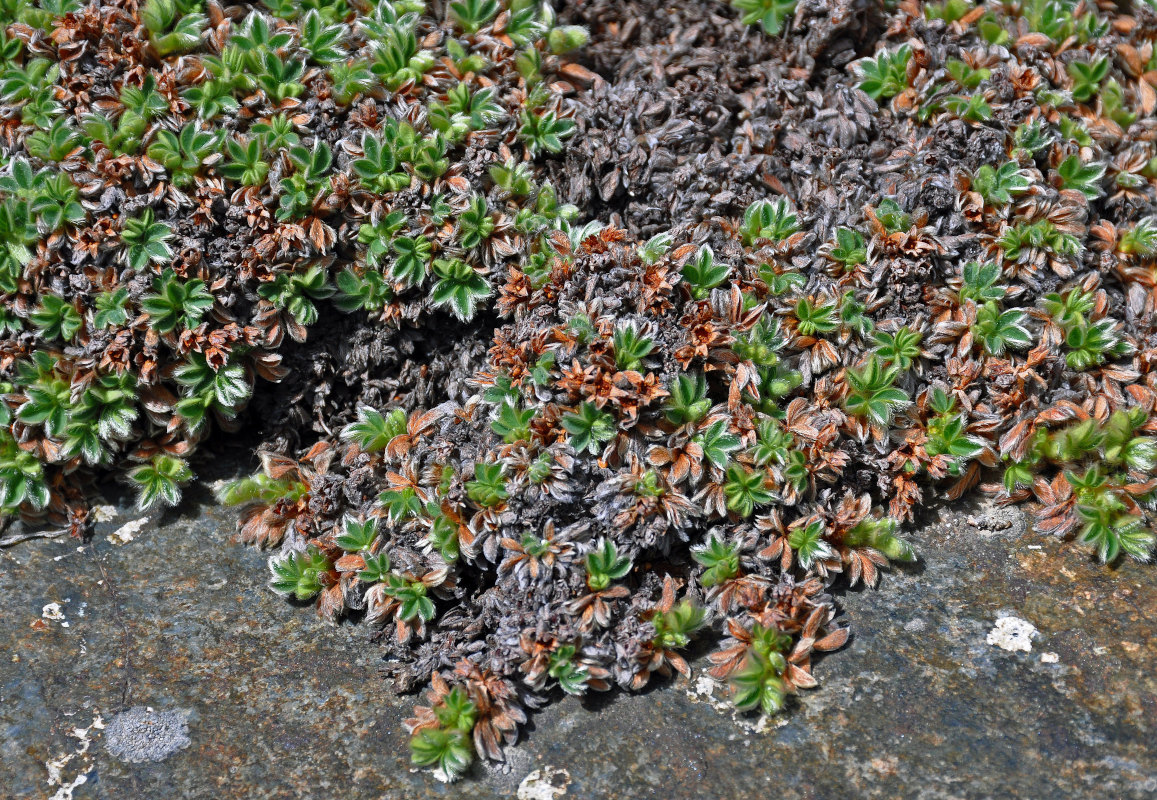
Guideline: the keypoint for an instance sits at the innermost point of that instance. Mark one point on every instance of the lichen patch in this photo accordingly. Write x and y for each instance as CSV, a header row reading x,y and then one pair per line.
x,y
1013,634
142,734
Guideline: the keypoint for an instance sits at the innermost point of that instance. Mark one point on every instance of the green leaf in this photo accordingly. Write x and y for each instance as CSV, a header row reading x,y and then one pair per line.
x,y
745,489
471,15
299,574
512,423
808,544
997,186
146,240
544,131
720,560
451,750
1087,78
717,443
159,481
850,249
459,287
871,394
412,256
702,273
1084,178
886,75
488,489
997,330
357,535
372,432
630,347
605,565
765,219
770,14
589,428
688,401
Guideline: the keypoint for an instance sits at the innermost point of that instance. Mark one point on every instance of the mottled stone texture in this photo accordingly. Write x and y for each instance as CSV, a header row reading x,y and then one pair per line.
x,y
177,619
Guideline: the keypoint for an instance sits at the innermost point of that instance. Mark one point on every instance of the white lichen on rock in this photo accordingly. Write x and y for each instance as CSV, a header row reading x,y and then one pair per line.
x,y
57,779
1013,634
127,532
547,783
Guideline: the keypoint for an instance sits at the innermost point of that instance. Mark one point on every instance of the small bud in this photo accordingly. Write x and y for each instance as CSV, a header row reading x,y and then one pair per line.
x,y
566,38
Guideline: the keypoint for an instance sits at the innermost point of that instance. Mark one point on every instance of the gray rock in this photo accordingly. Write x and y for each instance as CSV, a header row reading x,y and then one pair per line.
x,y
280,705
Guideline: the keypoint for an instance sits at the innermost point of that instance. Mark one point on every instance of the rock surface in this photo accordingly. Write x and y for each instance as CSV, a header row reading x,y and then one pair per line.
x,y
167,614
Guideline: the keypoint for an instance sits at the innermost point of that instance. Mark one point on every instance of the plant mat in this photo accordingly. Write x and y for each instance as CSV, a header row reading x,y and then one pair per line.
x,y
582,351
